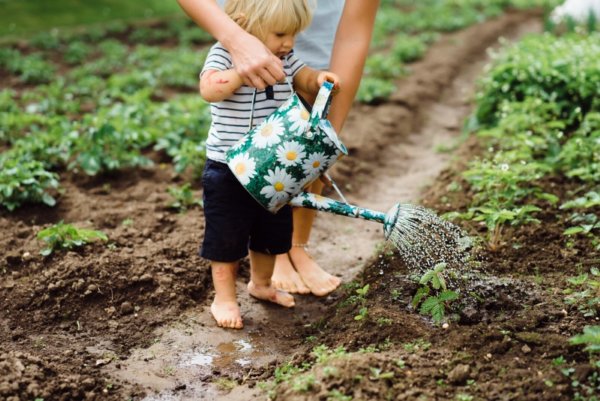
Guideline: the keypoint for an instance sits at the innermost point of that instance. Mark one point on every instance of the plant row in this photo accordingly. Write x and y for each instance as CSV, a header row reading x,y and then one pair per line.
x,y
538,120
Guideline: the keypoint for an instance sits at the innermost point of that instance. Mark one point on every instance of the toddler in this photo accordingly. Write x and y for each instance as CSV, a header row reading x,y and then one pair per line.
x,y
235,222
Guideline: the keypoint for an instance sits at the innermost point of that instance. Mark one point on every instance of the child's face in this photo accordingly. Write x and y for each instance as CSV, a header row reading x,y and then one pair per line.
x,y
280,43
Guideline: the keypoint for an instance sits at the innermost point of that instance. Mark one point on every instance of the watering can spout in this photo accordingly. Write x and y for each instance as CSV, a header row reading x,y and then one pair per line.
x,y
391,220
318,202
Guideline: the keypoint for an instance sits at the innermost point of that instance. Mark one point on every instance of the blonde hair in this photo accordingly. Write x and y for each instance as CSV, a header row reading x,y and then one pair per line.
x,y
260,16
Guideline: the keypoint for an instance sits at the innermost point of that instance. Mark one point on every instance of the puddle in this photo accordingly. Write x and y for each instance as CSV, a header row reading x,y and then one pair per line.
x,y
239,352
184,361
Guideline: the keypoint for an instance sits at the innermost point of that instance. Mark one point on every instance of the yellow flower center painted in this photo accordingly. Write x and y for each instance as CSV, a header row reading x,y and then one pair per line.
x,y
267,130
240,169
278,186
291,155
316,164
305,115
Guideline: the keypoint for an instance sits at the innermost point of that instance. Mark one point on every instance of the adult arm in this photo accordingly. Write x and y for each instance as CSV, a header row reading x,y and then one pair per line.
x,y
350,50
252,60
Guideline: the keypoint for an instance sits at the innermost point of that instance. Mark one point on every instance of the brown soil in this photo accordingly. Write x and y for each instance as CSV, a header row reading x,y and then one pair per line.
x,y
130,319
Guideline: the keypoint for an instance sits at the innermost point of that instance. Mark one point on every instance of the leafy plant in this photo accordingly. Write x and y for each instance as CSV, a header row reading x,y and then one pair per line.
x,y
433,296
63,236
105,149
183,197
584,292
23,181
590,337
362,299
374,90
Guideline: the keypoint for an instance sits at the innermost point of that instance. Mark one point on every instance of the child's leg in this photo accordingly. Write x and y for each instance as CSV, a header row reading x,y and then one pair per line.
x,y
312,275
225,308
260,286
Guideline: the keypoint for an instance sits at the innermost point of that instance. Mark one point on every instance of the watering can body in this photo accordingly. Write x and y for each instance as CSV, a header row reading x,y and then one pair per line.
x,y
290,149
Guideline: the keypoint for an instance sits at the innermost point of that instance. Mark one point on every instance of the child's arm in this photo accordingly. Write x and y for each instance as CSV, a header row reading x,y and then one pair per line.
x,y
309,81
218,85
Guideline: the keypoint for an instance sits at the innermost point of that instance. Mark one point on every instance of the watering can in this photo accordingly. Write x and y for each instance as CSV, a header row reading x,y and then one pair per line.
x,y
291,148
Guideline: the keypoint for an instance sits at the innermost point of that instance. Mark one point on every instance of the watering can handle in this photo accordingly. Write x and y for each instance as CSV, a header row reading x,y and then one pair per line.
x,y
254,100
320,108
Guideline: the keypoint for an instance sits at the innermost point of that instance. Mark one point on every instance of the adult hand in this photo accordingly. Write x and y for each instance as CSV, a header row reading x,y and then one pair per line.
x,y
254,62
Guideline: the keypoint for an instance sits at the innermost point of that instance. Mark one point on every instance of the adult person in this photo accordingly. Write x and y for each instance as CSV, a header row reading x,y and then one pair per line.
x,y
338,40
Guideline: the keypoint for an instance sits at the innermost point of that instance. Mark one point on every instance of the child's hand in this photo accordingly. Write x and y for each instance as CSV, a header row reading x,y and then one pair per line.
x,y
330,77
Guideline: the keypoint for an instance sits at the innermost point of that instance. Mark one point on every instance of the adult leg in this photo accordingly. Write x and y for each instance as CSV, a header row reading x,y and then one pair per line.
x,y
318,281
260,285
225,308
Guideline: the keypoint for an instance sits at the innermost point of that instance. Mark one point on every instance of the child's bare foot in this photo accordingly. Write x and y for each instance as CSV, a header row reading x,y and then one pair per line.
x,y
286,278
271,294
316,279
227,314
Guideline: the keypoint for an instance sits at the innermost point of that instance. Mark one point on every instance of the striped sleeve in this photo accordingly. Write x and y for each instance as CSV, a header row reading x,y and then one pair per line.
x,y
294,63
218,58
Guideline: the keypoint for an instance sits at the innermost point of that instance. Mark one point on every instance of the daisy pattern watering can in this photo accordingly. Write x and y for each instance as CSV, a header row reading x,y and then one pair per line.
x,y
290,149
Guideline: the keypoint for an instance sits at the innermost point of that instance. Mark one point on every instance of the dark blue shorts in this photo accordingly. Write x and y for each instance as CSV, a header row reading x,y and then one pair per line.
x,y
236,222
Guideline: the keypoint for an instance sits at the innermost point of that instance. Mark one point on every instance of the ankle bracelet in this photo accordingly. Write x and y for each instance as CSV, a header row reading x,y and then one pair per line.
x,y
301,245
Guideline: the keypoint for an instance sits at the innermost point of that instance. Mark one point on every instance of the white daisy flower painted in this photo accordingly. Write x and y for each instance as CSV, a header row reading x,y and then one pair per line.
x,y
321,200
290,153
299,117
244,167
314,163
280,184
268,132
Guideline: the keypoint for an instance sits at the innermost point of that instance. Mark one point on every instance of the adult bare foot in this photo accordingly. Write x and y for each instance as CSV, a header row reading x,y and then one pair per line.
x,y
316,279
271,294
227,314
286,278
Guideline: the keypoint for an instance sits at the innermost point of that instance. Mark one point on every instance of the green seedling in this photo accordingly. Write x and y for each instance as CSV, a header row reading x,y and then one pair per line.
x,y
584,292
183,198
590,338
433,296
63,236
378,374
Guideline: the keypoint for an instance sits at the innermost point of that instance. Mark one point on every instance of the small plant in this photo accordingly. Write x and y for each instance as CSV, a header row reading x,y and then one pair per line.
x,y
183,198
417,345
303,383
337,395
434,304
26,181
66,236
378,374
590,337
584,292
225,384
361,294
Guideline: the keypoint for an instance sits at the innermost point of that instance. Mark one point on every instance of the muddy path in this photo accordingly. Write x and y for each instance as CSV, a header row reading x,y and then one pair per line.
x,y
132,320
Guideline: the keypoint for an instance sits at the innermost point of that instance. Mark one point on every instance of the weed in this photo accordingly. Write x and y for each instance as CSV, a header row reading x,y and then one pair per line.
x,y
384,321
337,395
583,292
65,236
303,383
590,337
183,198
417,345
362,314
378,374
434,304
225,384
